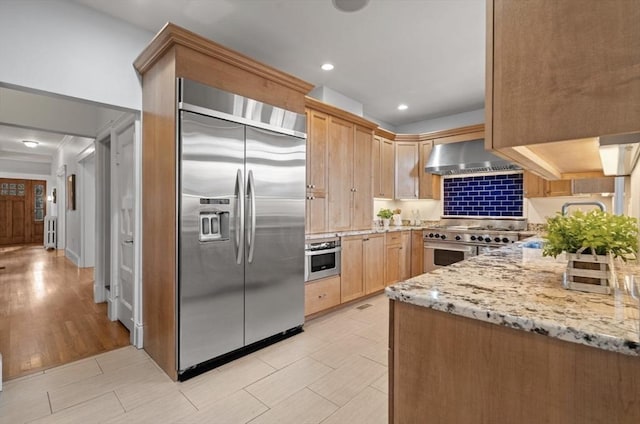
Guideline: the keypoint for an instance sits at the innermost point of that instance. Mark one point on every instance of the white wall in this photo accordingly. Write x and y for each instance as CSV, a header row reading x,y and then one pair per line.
x,y
20,167
67,155
29,110
64,48
444,123
537,210
336,99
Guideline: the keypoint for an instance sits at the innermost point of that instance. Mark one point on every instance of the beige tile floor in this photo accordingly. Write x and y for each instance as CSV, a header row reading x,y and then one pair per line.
x,y
333,373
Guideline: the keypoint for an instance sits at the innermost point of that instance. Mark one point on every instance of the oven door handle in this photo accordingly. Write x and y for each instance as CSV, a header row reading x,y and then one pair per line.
x,y
321,252
451,246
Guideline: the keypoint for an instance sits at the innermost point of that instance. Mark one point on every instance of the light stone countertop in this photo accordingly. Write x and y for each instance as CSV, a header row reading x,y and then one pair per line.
x,y
519,288
392,228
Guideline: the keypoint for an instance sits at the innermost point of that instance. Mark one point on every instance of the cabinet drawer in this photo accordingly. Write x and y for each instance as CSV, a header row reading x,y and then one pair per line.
x,y
393,238
321,294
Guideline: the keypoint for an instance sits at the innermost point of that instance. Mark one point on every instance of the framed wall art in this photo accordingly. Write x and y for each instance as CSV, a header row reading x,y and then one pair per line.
x,y
71,192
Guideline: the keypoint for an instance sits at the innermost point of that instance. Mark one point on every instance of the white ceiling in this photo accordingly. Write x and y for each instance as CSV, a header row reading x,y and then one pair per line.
x,y
429,54
12,148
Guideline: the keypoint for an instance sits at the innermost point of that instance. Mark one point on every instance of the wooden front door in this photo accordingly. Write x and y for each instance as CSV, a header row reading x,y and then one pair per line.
x,y
22,211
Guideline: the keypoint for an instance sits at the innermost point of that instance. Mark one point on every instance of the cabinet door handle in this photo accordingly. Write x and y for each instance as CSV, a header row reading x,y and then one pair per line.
x,y
313,186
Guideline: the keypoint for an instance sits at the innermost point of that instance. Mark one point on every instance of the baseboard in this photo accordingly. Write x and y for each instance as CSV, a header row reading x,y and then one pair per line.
x,y
73,256
138,335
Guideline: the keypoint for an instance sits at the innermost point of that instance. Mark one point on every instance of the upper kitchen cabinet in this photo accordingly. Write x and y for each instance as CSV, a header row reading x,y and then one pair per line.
x,y
177,53
559,75
407,163
383,164
317,158
429,183
348,167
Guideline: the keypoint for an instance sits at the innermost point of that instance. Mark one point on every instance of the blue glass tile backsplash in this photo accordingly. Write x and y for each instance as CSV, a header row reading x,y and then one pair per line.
x,y
483,195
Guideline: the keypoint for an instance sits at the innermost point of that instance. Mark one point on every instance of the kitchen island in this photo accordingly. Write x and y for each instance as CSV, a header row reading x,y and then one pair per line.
x,y
497,339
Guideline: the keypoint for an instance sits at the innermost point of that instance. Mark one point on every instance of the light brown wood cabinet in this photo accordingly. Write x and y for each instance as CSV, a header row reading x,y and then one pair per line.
x,y
340,193
373,263
340,157
560,71
362,266
535,186
417,253
321,294
532,185
405,256
558,188
383,164
317,157
397,257
429,183
407,175
362,204
351,274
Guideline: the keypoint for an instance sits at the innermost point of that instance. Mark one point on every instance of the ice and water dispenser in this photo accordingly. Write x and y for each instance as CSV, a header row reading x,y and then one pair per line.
x,y
213,221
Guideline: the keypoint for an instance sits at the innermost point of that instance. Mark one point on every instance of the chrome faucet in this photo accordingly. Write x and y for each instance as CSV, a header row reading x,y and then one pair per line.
x,y
601,205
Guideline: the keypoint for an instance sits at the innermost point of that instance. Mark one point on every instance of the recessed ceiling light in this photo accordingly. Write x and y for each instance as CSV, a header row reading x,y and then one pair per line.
x,y
30,143
327,66
402,106
349,5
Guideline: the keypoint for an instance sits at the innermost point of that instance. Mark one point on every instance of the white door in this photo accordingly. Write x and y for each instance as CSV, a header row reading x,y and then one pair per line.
x,y
125,192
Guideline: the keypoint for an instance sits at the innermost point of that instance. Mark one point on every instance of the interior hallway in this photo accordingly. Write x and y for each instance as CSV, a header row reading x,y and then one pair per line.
x,y
47,313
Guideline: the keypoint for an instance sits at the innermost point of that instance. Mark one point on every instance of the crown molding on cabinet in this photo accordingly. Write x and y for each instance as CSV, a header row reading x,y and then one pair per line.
x,y
316,104
171,35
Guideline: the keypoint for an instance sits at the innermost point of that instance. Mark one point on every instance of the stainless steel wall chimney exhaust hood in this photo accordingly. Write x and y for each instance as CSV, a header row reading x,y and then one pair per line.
x,y
465,158
619,153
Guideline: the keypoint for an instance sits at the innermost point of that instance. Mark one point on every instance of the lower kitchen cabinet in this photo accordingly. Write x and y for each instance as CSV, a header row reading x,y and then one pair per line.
x,y
362,267
417,253
352,281
397,257
321,294
373,253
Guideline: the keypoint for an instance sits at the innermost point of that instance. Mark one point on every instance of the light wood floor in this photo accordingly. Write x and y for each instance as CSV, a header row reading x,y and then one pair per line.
x,y
47,313
333,373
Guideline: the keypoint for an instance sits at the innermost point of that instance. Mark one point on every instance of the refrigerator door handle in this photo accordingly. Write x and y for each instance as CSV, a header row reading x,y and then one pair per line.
x,y
251,192
239,217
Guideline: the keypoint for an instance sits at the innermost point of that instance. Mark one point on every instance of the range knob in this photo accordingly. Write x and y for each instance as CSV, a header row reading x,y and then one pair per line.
x,y
442,237
505,240
473,238
458,238
497,239
430,235
488,239
480,238
437,235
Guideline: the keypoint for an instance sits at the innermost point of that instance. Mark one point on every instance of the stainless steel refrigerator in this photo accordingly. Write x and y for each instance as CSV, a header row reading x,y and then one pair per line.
x,y
241,229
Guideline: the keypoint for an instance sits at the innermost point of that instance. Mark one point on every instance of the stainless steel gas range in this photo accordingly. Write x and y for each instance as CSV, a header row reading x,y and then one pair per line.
x,y
454,240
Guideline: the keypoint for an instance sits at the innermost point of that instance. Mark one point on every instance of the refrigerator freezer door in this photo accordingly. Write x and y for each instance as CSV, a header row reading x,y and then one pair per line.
x,y
274,278
211,282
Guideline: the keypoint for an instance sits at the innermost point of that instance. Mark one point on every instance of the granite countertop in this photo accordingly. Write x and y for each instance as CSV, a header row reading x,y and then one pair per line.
x,y
391,228
519,288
